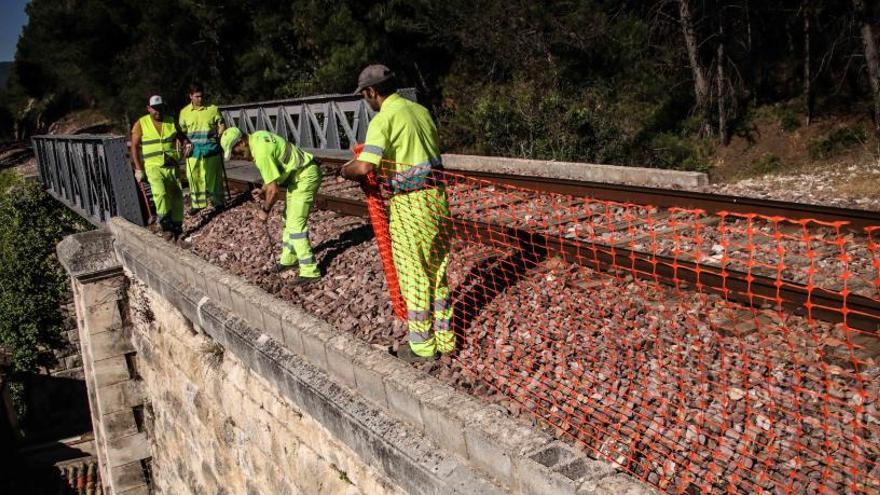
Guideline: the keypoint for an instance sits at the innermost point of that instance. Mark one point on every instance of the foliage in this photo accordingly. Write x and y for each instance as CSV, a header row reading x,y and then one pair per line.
x,y
682,153
32,283
767,164
837,141
592,80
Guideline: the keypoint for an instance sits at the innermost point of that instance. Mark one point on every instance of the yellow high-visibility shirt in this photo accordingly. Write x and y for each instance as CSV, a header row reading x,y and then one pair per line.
x,y
402,142
276,158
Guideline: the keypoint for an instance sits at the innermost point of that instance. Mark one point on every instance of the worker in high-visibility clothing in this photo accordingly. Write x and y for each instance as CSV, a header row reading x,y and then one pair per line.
x,y
282,164
402,146
157,137
203,126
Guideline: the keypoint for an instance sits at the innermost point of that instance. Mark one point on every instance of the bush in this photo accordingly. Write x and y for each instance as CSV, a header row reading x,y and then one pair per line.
x,y
32,282
837,141
673,151
789,118
767,164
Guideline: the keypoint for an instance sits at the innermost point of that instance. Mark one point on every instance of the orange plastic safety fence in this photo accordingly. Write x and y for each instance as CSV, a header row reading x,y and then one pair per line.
x,y
701,352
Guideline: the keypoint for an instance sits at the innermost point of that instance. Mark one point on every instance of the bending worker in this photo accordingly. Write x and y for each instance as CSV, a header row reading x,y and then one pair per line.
x,y
282,164
159,138
402,146
204,169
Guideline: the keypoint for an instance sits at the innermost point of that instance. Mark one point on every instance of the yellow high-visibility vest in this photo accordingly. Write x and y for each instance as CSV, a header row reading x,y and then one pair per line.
x,y
155,146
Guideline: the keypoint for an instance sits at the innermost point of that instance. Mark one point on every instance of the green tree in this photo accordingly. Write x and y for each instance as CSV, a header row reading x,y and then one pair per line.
x,y
32,282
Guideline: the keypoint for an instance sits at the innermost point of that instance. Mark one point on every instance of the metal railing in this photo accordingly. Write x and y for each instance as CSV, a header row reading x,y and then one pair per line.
x,y
314,123
90,174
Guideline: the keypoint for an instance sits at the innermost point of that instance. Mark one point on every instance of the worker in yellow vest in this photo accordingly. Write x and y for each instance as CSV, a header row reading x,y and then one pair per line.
x,y
203,126
402,147
282,164
157,138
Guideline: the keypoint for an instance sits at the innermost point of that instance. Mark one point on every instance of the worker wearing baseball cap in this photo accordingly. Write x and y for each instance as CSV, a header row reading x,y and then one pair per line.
x,y
203,126
403,148
155,138
282,164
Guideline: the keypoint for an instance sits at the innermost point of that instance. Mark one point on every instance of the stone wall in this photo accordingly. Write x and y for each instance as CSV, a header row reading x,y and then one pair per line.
x,y
217,427
235,391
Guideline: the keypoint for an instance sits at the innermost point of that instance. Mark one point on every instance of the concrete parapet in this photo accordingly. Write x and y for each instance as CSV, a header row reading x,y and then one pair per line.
x,y
614,174
424,435
109,365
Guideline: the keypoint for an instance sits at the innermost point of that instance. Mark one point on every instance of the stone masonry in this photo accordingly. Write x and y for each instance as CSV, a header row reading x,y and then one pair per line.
x,y
217,427
202,383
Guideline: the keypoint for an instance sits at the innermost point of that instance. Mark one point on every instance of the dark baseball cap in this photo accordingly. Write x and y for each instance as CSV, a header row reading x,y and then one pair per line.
x,y
372,75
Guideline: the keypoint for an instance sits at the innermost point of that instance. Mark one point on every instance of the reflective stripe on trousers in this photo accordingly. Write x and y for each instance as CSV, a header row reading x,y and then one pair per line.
x,y
205,177
420,240
295,246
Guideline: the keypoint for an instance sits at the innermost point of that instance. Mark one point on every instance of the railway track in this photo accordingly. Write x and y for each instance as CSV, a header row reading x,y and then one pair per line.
x,y
754,251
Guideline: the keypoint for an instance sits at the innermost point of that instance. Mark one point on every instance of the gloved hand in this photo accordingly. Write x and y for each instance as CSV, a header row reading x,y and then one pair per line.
x,y
187,150
139,175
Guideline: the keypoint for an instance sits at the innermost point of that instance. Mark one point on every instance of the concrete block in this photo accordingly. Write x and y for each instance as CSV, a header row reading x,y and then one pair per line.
x,y
224,297
128,479
110,344
176,294
125,450
405,388
119,424
291,332
464,481
138,490
103,317
212,319
314,340
557,468
370,369
445,412
243,307
110,371
269,308
617,484
494,440
240,338
339,360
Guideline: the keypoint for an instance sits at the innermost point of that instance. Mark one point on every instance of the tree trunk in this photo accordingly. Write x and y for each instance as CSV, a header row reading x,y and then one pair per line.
x,y
722,88
701,83
871,58
808,70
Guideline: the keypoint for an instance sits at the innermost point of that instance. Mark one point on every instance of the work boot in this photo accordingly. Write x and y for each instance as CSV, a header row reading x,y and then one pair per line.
x,y
167,235
279,268
406,354
300,280
194,211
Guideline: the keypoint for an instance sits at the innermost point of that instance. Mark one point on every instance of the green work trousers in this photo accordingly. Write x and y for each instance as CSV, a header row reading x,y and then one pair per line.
x,y
295,246
205,176
420,240
167,196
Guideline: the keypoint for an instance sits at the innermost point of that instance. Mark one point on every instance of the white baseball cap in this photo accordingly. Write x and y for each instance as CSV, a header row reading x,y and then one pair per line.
x,y
156,100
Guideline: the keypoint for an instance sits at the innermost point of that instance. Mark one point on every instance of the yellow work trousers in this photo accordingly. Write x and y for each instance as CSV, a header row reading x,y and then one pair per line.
x,y
420,239
167,195
295,246
205,176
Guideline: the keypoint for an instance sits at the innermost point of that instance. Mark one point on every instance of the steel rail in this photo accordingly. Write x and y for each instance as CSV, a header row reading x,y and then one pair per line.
x,y
856,220
747,288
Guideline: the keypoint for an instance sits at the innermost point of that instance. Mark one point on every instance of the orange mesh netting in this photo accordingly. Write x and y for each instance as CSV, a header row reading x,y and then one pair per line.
x,y
702,352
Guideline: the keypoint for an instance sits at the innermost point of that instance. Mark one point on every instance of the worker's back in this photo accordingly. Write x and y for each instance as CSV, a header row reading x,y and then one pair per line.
x,y
405,137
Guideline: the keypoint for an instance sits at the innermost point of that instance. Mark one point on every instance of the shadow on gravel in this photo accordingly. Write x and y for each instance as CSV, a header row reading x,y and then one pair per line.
x,y
204,218
485,281
339,244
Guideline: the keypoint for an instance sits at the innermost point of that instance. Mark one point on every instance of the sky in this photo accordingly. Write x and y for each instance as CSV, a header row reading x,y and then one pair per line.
x,y
12,19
